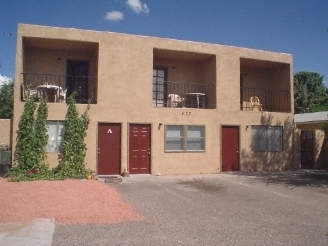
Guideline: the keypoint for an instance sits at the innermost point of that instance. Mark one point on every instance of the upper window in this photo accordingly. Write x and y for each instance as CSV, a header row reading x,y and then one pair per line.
x,y
159,86
267,138
180,138
55,136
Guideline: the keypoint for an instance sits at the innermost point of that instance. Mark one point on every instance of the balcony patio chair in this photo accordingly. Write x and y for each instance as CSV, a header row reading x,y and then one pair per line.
x,y
62,95
255,104
27,92
174,100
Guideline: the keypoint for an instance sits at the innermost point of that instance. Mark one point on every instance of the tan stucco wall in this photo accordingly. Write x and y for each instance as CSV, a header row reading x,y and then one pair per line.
x,y
125,65
5,133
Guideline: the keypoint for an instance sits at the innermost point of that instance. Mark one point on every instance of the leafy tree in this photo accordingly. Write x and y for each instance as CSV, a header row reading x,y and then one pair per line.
x,y
310,94
41,136
6,100
32,136
24,154
74,149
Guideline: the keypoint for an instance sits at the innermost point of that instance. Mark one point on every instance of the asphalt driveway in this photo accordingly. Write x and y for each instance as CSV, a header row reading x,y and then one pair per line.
x,y
289,208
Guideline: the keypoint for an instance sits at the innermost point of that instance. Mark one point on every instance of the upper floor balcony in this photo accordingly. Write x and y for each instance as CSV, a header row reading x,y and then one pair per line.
x,y
256,99
265,86
55,68
183,95
56,88
184,79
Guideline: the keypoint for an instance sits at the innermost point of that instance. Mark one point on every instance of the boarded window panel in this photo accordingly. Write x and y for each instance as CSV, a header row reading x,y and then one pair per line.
x,y
258,138
274,138
267,138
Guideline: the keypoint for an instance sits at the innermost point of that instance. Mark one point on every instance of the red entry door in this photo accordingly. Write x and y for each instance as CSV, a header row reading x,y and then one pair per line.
x,y
109,148
139,149
230,148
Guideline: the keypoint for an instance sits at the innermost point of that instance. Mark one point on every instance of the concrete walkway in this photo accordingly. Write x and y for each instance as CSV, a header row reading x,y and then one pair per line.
x,y
38,232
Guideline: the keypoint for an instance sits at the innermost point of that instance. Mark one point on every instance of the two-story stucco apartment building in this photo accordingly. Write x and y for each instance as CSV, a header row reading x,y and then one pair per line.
x,y
160,105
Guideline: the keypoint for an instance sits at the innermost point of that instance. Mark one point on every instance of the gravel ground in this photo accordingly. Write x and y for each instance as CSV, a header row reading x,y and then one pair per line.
x,y
66,202
223,209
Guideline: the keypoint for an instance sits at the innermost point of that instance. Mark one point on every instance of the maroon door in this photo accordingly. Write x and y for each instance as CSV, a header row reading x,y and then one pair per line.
x,y
139,149
230,148
109,148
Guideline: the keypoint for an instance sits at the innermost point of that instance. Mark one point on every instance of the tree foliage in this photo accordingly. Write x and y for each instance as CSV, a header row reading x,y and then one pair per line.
x,y
24,153
74,149
310,94
32,136
6,100
41,135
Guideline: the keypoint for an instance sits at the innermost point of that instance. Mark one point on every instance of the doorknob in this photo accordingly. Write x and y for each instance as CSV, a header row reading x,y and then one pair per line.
x,y
98,151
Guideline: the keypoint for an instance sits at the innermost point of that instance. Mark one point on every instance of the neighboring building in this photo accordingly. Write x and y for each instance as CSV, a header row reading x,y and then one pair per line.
x,y
313,142
160,105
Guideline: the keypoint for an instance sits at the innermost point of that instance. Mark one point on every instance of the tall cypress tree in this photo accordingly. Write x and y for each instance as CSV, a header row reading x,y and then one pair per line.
x,y
74,149
41,136
24,153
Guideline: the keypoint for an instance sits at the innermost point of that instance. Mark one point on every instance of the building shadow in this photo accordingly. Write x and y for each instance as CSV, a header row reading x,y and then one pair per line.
x,y
286,159
298,178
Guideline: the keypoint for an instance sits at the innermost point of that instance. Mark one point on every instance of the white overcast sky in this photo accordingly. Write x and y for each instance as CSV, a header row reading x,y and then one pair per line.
x,y
4,79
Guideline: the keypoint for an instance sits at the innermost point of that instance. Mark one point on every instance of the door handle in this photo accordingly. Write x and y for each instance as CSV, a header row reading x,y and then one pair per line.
x,y
98,151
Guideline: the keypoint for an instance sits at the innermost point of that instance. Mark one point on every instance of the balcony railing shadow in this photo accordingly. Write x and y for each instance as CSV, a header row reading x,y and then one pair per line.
x,y
58,87
184,95
255,99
